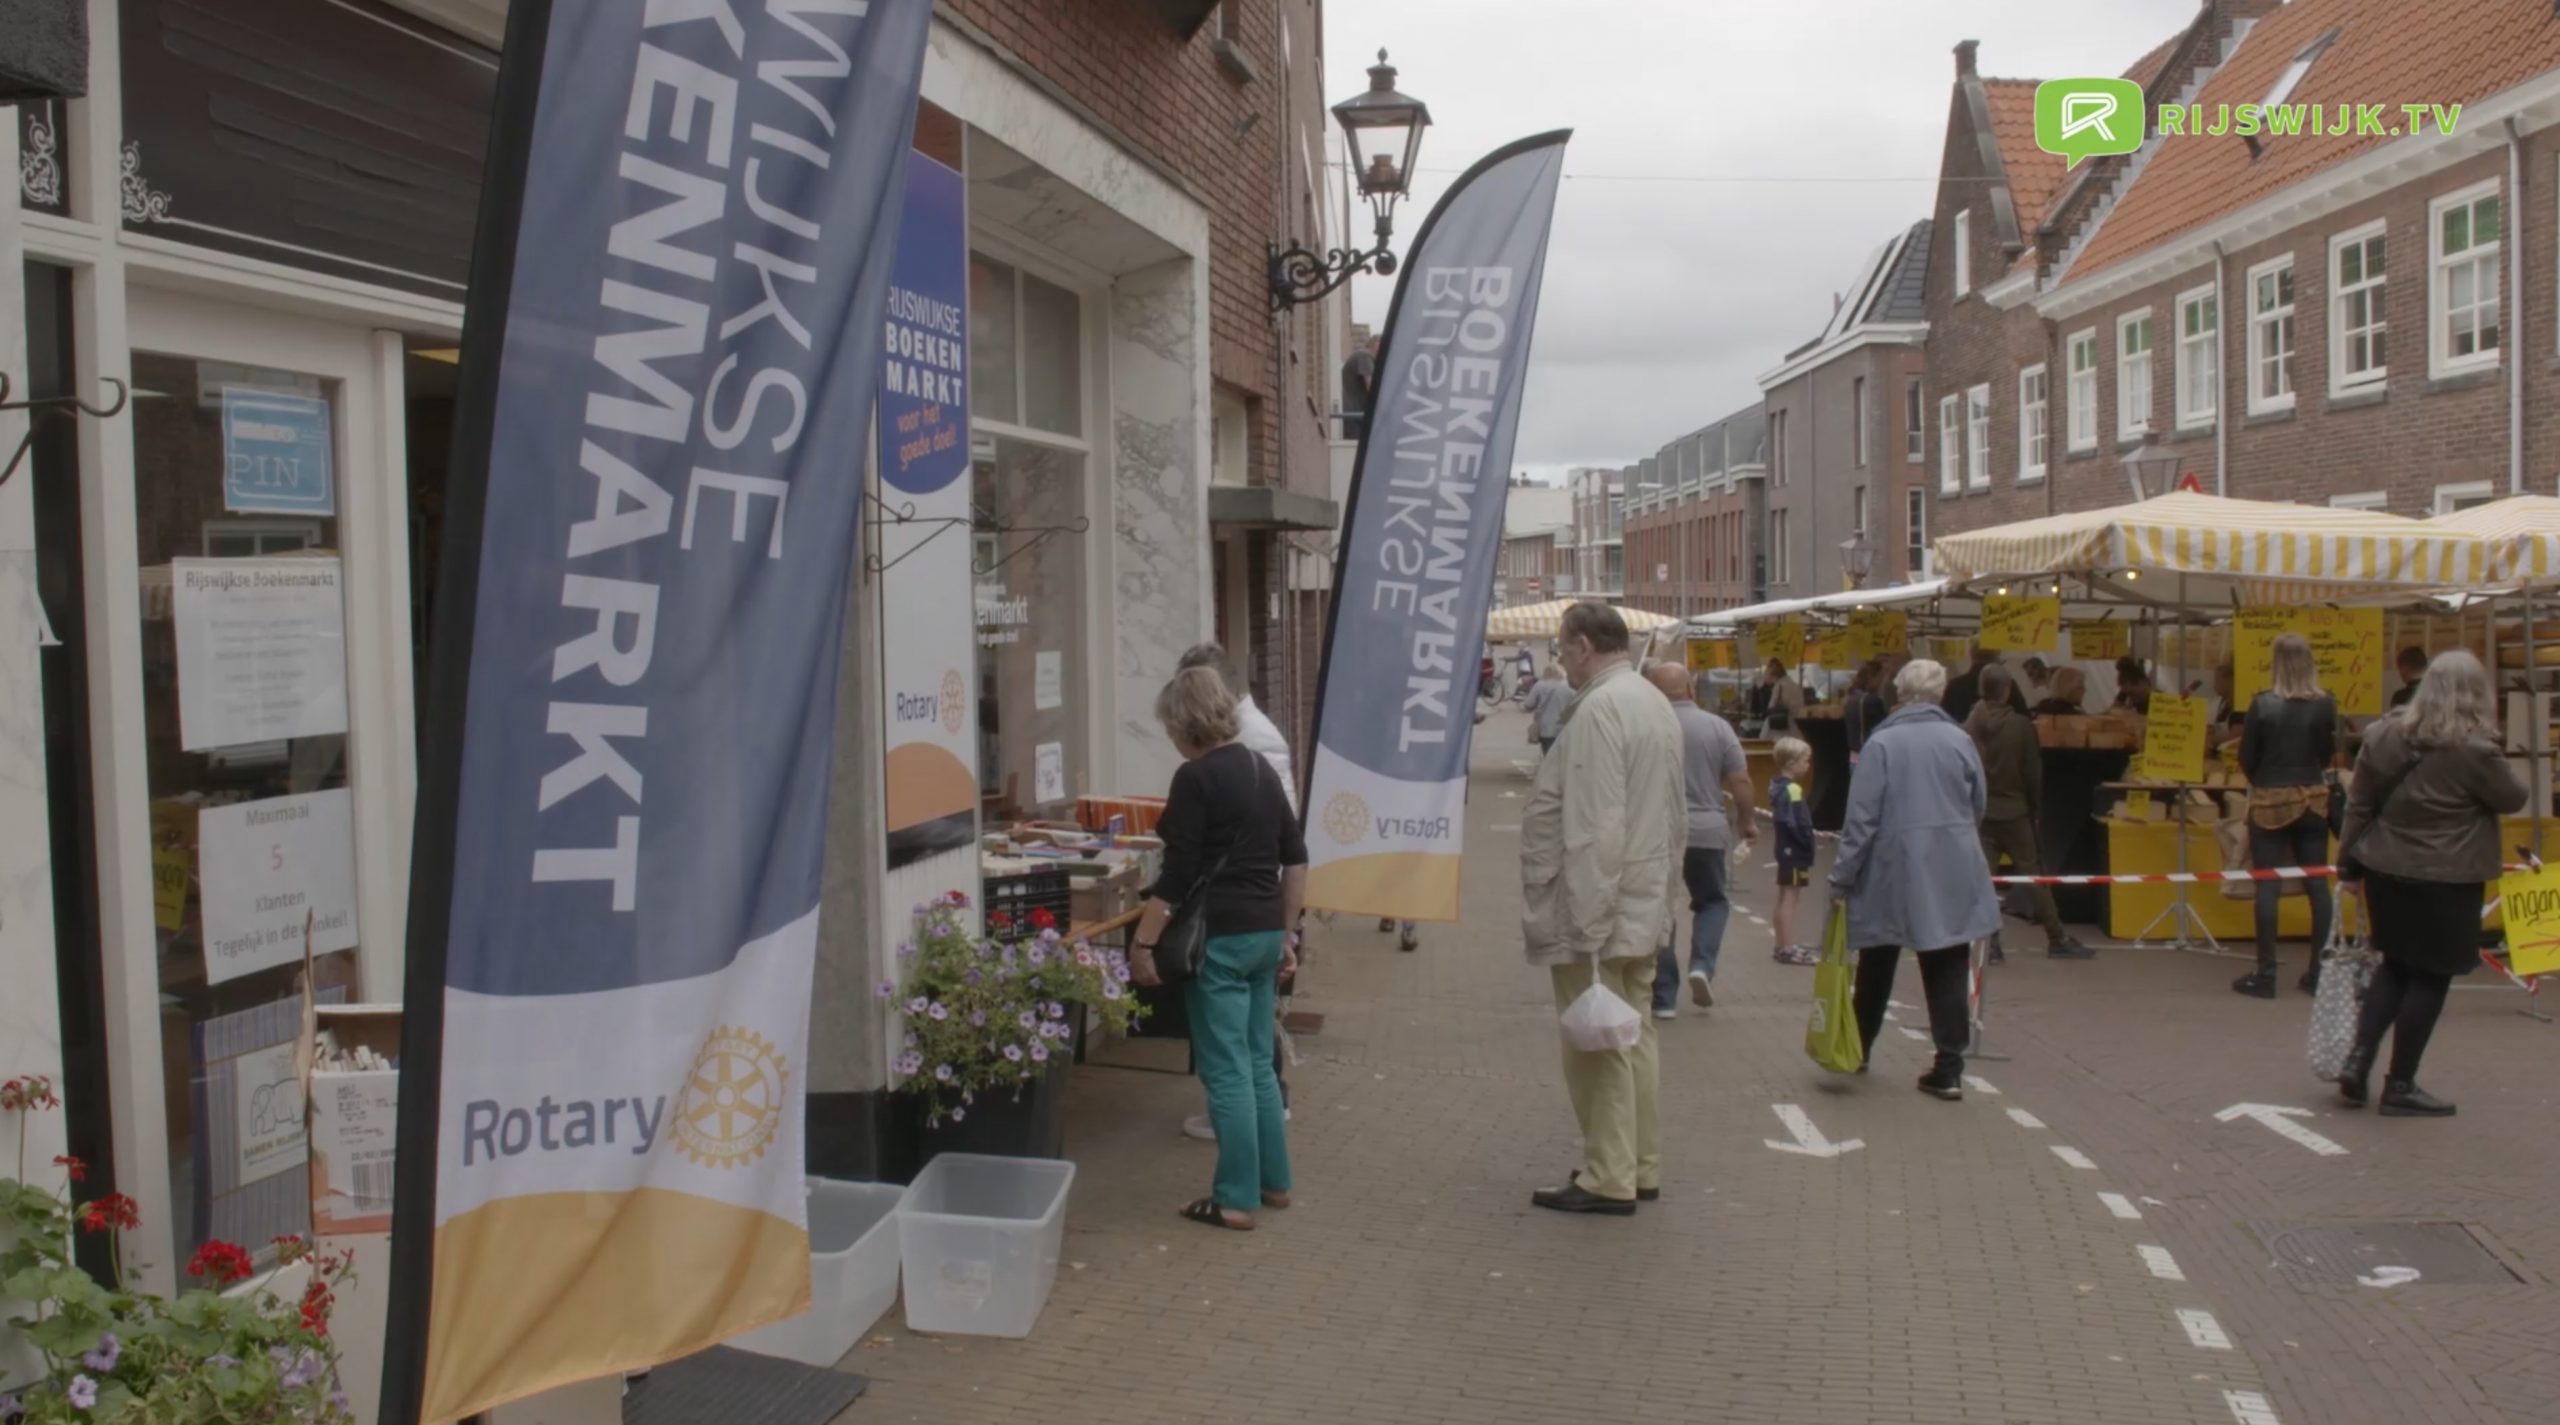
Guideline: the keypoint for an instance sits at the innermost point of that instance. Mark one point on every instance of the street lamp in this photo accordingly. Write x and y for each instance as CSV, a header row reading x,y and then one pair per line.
x,y
1857,559
2150,469
1384,129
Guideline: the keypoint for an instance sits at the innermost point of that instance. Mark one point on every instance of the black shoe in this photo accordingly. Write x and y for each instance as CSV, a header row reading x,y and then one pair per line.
x,y
2310,982
2352,1075
2402,1098
1643,1194
1947,1084
1409,941
1572,1198
1386,923
2069,949
2257,984
1997,956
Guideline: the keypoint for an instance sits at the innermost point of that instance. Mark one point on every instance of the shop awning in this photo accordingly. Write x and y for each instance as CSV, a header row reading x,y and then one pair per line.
x,y
2522,533
2223,551
1270,507
1845,601
1523,622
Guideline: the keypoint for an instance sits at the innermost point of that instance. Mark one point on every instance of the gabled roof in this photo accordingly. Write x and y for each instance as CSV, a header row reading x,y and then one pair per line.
x,y
2034,175
2147,68
2385,52
1888,293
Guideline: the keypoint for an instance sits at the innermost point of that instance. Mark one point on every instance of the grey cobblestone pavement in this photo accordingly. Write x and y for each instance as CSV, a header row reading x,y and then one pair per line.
x,y
1957,1268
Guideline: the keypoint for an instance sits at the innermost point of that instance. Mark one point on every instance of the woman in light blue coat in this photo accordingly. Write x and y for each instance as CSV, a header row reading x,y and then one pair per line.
x,y
1910,867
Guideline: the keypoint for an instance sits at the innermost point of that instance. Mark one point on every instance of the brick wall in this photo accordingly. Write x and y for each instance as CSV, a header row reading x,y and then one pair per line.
x,y
1224,136
2403,439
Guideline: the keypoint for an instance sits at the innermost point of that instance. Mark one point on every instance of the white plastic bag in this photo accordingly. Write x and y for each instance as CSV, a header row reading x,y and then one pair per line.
x,y
1598,1022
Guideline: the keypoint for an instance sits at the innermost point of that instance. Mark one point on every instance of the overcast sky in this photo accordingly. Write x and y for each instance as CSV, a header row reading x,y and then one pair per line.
x,y
1666,297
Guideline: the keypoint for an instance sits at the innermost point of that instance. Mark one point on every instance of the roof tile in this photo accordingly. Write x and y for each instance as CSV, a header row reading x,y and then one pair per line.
x,y
2034,175
2387,52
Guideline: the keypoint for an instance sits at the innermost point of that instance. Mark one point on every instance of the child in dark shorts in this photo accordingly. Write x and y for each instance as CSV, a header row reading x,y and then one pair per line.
x,y
1793,816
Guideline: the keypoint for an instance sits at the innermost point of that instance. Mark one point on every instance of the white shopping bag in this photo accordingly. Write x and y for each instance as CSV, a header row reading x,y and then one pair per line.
x,y
1598,1022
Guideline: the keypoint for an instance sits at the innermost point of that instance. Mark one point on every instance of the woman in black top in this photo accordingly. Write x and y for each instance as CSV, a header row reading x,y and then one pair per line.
x,y
2286,748
1227,818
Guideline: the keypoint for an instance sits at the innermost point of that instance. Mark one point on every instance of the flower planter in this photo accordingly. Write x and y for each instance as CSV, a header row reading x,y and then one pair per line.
x,y
1002,1125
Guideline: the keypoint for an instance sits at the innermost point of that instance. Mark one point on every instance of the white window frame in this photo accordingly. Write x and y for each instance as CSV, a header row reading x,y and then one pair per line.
x,y
2263,325
1977,431
1858,403
2486,259
2080,388
1915,410
2362,500
2133,418
2341,381
2035,424
2198,354
1858,510
1915,531
1962,240
1950,446
2451,499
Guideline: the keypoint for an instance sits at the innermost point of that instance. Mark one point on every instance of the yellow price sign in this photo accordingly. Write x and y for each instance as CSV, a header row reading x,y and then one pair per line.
x,y
1706,653
2021,624
2102,641
169,887
1782,639
2531,901
1954,652
2346,648
1820,651
1874,633
2137,806
2173,739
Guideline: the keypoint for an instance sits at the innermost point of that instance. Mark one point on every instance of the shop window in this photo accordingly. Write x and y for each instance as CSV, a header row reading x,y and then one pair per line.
x,y
1026,349
244,678
1032,685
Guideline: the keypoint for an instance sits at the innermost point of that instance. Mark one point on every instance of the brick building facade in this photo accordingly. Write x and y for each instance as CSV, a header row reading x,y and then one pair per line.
x,y
2311,318
1696,520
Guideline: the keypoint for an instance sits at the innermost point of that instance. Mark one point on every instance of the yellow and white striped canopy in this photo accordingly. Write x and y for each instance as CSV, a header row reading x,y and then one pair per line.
x,y
1527,622
2522,533
2225,550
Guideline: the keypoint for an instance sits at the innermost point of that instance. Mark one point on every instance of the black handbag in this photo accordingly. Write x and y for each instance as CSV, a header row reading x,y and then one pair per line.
x,y
1183,944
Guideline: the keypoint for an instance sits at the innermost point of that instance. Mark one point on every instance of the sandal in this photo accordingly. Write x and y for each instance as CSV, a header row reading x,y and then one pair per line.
x,y
1275,1200
1207,1213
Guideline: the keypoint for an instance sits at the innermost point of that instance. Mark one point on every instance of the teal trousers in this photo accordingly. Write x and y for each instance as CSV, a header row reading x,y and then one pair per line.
x,y
1232,1005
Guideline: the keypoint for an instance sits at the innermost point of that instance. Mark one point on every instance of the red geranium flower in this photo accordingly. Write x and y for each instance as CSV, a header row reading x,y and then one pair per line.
x,y
222,1261
317,1299
113,1210
77,1171
28,1091
1043,919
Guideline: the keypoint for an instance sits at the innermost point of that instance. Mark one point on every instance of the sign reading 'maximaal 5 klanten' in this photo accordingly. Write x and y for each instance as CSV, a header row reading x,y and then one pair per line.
x,y
1386,798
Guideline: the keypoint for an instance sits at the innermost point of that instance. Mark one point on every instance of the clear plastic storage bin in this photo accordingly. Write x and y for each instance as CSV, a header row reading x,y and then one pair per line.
x,y
981,1238
853,1273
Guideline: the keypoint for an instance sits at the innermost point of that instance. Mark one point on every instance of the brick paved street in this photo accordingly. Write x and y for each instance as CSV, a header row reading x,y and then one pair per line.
x,y
1957,1268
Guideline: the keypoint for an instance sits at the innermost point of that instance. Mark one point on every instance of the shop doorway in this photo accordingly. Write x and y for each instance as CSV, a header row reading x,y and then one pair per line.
x,y
269,528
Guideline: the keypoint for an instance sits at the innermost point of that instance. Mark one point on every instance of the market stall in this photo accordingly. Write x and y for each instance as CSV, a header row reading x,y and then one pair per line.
x,y
2257,569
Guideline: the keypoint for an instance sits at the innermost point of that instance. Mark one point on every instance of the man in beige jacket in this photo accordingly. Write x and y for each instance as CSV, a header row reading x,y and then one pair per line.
x,y
1600,847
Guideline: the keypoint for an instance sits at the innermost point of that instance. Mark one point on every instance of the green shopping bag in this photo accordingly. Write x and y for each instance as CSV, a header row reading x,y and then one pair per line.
x,y
1832,1035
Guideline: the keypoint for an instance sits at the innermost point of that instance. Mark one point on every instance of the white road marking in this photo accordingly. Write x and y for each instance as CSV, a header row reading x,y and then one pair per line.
x,y
2281,1118
2250,1408
2388,1276
2203,1331
2121,1206
2024,1119
1910,1033
2074,1157
1980,1086
2162,1265
1809,1139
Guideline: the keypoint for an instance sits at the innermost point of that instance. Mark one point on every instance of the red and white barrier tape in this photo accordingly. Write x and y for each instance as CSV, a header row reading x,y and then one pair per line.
x,y
2188,878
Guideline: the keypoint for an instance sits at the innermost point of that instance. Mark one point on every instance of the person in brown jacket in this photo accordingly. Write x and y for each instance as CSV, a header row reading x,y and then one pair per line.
x,y
2013,775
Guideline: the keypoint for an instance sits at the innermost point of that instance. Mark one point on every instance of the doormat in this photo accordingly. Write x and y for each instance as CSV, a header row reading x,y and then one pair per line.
x,y
722,1387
